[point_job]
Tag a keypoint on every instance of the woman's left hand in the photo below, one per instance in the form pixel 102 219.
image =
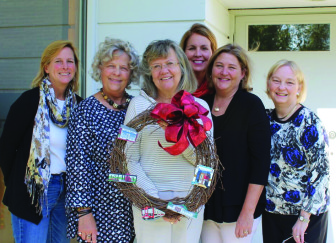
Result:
pixel 299 230
pixel 244 224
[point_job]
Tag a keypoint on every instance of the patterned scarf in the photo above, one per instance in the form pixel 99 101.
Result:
pixel 38 166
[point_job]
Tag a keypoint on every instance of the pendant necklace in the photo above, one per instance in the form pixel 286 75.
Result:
pixel 289 113
pixel 115 105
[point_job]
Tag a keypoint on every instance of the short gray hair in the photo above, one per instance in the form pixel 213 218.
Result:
pixel 160 49
pixel 106 52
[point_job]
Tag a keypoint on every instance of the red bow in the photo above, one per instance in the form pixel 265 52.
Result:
pixel 181 117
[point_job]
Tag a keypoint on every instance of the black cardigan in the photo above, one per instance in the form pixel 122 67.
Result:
pixel 15 144
pixel 243 141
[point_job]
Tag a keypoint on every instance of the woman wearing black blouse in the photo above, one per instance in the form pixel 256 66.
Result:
pixel 242 136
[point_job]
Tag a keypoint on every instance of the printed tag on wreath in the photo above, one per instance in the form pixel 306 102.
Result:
pixel 181 209
pixel 127 133
pixel 149 213
pixel 203 176
pixel 122 178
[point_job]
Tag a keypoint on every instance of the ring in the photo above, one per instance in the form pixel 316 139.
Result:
pixel 79 233
pixel 171 222
pixel 245 232
pixel 297 236
pixel 89 235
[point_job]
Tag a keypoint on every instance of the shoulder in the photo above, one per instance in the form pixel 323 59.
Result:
pixel 78 98
pixel 28 99
pixel 141 101
pixel 202 102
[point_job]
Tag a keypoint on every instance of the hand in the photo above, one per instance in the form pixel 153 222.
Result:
pixel 172 220
pixel 163 124
pixel 244 224
pixel 87 228
pixel 299 230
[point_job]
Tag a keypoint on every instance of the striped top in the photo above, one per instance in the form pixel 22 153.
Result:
pixel 156 170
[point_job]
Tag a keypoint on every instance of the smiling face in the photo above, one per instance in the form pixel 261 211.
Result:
pixel 226 73
pixel 167 78
pixel 115 74
pixel 198 51
pixel 283 87
pixel 61 69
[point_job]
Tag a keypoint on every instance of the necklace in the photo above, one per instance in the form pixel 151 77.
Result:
pixel 289 113
pixel 113 104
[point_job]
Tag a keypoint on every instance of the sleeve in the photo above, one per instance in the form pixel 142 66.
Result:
pixel 79 153
pixel 315 142
pixel 259 143
pixel 133 156
pixel 19 119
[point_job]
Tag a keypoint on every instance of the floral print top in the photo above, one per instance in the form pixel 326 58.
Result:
pixel 299 172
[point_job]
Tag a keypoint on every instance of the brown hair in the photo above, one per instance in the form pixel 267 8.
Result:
pixel 48 54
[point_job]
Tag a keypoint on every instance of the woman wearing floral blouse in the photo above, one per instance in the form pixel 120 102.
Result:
pixel 298 184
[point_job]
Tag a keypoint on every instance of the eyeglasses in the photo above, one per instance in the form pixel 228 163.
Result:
pixel 157 67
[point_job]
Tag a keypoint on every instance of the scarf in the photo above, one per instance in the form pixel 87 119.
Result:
pixel 202 89
pixel 38 165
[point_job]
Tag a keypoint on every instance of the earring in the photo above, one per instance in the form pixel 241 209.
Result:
pixel 297 94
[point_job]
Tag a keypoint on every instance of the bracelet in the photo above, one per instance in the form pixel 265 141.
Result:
pixel 82 208
pixel 84 212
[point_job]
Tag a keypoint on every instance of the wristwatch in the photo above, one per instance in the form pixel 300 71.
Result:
pixel 303 219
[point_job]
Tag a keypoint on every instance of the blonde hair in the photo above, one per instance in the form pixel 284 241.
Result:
pixel 160 49
pixel 109 49
pixel 201 30
pixel 297 72
pixel 243 59
pixel 48 54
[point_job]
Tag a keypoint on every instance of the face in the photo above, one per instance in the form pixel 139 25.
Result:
pixel 227 73
pixel 166 74
pixel 198 51
pixel 62 68
pixel 283 86
pixel 115 74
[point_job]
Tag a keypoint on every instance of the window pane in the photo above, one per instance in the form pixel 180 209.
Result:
pixel 289 37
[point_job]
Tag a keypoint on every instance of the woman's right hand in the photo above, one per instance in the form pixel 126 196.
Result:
pixel 87 228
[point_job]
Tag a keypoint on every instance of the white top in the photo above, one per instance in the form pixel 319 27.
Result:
pixel 157 170
pixel 57 145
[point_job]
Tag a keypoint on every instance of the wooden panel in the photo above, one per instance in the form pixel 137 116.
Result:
pixel 30 41
pixel 33 12
pixel 18 73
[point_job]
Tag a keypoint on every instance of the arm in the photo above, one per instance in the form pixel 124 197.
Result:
pixel 317 191
pixel 18 126
pixel 78 159
pixel 259 144
pixel 133 156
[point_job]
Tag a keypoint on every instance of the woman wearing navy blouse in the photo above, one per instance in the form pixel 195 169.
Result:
pixel 97 210
pixel 298 184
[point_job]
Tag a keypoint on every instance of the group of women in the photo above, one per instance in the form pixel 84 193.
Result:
pixel 54 149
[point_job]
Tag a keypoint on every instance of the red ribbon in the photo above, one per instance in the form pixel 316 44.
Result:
pixel 181 117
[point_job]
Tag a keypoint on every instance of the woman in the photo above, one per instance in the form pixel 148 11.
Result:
pixel 97 210
pixel 198 44
pixel 166 71
pixel 242 138
pixel 298 184
pixel 32 148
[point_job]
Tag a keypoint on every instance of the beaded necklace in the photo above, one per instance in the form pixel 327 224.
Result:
pixel 113 104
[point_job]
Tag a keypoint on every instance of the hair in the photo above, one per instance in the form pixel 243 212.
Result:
pixel 243 59
pixel 160 49
pixel 297 72
pixel 50 52
pixel 201 30
pixel 111 48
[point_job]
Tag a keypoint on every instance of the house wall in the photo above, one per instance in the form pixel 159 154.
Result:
pixel 141 22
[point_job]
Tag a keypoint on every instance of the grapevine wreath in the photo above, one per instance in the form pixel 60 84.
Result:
pixel 181 112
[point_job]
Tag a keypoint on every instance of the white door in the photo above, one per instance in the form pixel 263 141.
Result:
pixel 319 68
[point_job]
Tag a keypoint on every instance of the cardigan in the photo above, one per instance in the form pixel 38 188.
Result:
pixel 156 170
pixel 243 139
pixel 299 172
pixel 15 144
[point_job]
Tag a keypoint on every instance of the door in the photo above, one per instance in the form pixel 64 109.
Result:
pixel 319 69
